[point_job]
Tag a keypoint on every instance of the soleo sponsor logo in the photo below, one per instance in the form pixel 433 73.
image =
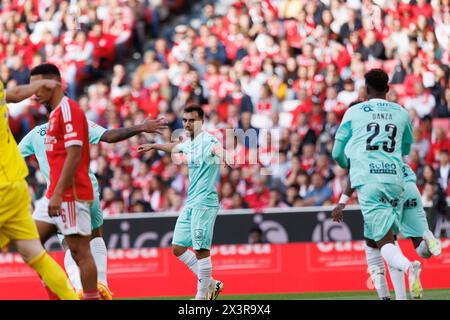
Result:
pixel 383 168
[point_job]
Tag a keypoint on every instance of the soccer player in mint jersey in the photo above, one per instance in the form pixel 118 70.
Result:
pixel 194 227
pixel 34 143
pixel 412 224
pixel 377 133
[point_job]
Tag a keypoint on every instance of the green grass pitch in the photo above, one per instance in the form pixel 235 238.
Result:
pixel 442 294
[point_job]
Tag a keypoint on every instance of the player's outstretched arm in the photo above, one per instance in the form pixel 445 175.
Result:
pixel 25 91
pixel 120 134
pixel 66 179
pixel 166 147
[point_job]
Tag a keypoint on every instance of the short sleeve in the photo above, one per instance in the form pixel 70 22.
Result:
pixel 408 137
pixel 95 132
pixel 344 131
pixel 26 146
pixel 73 125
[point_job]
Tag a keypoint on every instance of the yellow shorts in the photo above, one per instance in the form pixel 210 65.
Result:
pixel 15 216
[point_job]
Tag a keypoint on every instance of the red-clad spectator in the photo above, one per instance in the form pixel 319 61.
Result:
pixel 441 142
pixel 226 196
pixel 252 61
pixel 308 158
pixel 257 197
pixel 104 46
pixel 414 160
pixel 422 7
pixel 316 120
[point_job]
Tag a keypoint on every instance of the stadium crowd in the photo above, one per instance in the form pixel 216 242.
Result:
pixel 292 66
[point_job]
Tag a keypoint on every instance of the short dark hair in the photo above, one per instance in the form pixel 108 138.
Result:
pixel 354 103
pixel 378 80
pixel 195 108
pixel 46 69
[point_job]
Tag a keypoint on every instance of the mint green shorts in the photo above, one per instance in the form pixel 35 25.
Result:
pixel 194 228
pixel 381 206
pixel 96 213
pixel 413 221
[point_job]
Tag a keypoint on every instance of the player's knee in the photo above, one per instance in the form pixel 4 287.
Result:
pixel 29 249
pixel 372 244
pixel 177 250
pixel 202 254
pixel 80 255
pixel 97 233
pixel 377 269
pixel 75 254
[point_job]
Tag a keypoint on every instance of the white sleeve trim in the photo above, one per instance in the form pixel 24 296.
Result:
pixel 70 135
pixel 73 143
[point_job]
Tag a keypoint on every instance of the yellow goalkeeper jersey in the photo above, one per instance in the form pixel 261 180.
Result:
pixel 12 165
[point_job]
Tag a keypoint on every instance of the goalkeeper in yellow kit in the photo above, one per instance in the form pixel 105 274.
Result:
pixel 16 223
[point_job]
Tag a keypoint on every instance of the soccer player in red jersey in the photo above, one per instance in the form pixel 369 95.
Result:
pixel 70 191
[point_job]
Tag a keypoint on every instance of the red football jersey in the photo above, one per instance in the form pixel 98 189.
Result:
pixel 68 127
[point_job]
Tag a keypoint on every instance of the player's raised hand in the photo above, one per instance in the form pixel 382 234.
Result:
pixel 54 206
pixel 50 84
pixel 154 126
pixel 337 213
pixel 144 148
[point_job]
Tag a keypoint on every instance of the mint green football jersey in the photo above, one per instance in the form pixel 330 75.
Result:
pixel 408 174
pixel 34 143
pixel 204 170
pixel 374 132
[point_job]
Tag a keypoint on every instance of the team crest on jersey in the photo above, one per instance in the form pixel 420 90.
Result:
pixel 405 173
pixel 366 108
pixel 198 236
pixel 42 131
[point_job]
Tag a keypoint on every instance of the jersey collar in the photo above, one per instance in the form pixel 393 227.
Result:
pixel 63 99
pixel 198 136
